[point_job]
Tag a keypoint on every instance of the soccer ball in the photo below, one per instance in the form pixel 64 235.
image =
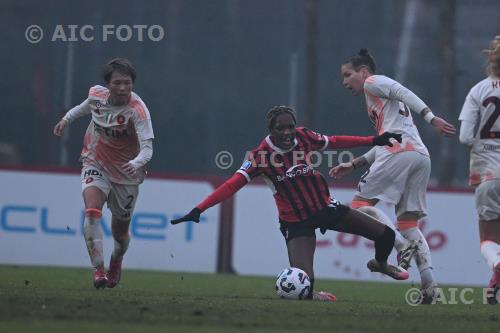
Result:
pixel 293 283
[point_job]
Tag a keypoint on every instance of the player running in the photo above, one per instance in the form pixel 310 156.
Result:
pixel 117 144
pixel 302 195
pixel 398 174
pixel 481 111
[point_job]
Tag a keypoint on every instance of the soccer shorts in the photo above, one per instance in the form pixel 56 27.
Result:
pixel 121 198
pixel 400 179
pixel 326 219
pixel 488 200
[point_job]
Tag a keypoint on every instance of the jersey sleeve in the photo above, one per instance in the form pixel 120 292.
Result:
pixel 142 119
pixel 78 111
pixel 469 117
pixel 252 165
pixel 384 87
pixel 470 109
pixel 318 141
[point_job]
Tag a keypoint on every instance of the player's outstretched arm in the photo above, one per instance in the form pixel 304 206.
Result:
pixel 442 126
pixel 342 141
pixel 343 169
pixel 385 139
pixel 60 126
pixel 226 190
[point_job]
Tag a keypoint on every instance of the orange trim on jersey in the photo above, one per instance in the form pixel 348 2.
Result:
pixel 370 79
pixel 137 106
pixel 99 92
pixel 93 213
pixel 379 104
pixel 355 204
pixel 406 224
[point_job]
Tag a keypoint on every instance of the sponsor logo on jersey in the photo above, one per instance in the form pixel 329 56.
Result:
pixel 295 171
pixel 488 147
pixel 112 133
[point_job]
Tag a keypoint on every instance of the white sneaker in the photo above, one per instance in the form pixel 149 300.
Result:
pixel 429 294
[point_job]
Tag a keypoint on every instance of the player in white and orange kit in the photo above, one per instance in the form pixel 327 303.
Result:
pixel 480 130
pixel 117 144
pixel 398 174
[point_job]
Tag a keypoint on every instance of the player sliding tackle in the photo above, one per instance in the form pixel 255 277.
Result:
pixel 302 195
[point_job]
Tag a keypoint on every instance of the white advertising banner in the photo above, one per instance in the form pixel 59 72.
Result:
pixel 450 229
pixel 42 214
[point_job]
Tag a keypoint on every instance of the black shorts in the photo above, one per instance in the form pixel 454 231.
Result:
pixel 326 219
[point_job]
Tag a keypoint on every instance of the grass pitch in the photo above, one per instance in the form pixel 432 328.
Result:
pixel 63 300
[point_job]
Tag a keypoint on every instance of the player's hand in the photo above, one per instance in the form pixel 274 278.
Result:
pixel 341 170
pixel 129 169
pixel 60 126
pixel 444 128
pixel 193 215
pixel 385 139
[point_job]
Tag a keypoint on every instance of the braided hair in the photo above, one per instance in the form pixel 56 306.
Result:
pixel 362 58
pixel 276 111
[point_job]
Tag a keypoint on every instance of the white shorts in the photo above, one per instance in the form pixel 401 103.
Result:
pixel 121 198
pixel 400 179
pixel 488 200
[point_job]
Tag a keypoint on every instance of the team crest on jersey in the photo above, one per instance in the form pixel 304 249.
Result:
pixel 98 105
pixel 120 119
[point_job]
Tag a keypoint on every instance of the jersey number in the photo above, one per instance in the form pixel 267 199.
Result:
pixel 405 112
pixel 363 179
pixel 130 200
pixel 486 132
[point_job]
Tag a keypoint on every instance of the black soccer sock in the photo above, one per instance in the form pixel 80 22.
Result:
pixel 384 244
pixel 310 296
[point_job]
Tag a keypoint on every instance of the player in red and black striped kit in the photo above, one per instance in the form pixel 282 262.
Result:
pixel 301 193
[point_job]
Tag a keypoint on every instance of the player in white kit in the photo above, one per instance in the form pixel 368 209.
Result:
pixel 480 130
pixel 398 174
pixel 117 144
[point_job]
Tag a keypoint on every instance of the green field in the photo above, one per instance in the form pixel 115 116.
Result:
pixel 63 300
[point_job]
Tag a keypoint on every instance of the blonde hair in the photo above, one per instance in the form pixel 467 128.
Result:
pixel 493 53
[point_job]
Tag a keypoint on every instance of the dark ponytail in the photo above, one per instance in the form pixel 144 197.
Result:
pixel 362 58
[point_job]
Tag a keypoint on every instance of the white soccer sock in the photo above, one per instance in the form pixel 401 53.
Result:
pixel 93 238
pixel 427 277
pixel 121 247
pixel 399 242
pixel 491 253
pixel 423 255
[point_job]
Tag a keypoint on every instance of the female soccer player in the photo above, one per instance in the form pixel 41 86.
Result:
pixel 481 110
pixel 302 195
pixel 398 174
pixel 117 145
